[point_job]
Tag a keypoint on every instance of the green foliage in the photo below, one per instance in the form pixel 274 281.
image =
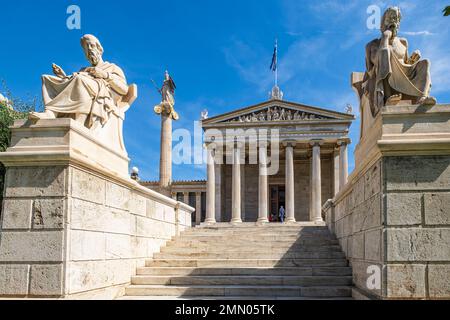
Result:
pixel 447 11
pixel 9 111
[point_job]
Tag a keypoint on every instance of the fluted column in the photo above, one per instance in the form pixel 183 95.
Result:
pixel 343 164
pixel 316 181
pixel 263 210
pixel 236 216
pixel 198 208
pixel 210 186
pixel 290 192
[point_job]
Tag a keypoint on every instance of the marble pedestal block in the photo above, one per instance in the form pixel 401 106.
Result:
pixel 393 216
pixel 73 224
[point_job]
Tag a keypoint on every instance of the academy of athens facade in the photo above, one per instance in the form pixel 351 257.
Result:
pixel 308 143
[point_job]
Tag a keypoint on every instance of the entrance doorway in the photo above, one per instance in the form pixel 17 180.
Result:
pixel 277 199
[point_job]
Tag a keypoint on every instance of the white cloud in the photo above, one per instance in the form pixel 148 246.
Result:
pixel 417 33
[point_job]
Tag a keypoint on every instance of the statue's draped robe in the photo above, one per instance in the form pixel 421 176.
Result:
pixel 390 66
pixel 83 94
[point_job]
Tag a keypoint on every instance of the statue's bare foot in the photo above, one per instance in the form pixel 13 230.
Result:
pixel 41 115
pixel 394 99
pixel 427 101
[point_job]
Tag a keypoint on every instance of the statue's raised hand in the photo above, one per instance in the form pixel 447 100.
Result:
pixel 97 73
pixel 415 57
pixel 58 71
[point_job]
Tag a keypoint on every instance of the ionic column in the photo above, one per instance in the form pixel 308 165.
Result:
pixel 290 192
pixel 210 187
pixel 343 164
pixel 263 210
pixel 316 181
pixel 198 208
pixel 186 197
pixel 236 186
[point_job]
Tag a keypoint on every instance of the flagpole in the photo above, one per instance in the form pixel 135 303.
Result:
pixel 276 69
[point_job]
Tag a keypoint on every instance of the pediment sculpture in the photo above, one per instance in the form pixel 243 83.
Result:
pixel 97 96
pixel 277 114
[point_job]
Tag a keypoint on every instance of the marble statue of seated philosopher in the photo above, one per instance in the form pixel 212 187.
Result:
pixel 392 75
pixel 88 96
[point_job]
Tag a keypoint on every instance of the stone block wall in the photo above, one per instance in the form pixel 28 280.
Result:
pixel 69 232
pixel 396 216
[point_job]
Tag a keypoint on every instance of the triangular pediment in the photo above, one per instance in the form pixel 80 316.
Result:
pixel 277 111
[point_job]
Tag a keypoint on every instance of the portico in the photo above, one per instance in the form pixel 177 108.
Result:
pixel 272 154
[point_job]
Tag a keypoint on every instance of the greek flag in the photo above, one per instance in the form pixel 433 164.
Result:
pixel 274 63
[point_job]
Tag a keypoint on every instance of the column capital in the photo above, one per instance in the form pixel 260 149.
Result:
pixel 198 193
pixel 239 144
pixel 345 141
pixel 289 143
pixel 316 142
pixel 263 144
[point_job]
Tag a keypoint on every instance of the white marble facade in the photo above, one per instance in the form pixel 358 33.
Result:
pixel 274 147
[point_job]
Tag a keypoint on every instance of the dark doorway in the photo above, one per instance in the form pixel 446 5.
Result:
pixel 277 199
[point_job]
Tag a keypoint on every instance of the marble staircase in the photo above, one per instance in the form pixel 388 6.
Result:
pixel 246 261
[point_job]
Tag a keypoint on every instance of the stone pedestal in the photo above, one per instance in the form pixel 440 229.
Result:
pixel 74 225
pixel 392 217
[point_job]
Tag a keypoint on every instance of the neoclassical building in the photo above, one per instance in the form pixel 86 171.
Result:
pixel 288 154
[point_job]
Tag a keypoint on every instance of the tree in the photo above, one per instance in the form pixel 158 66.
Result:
pixel 447 11
pixel 10 109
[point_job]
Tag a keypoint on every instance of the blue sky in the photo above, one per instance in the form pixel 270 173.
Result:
pixel 218 52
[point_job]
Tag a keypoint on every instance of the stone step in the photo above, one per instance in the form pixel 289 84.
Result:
pixel 258 231
pixel 263 280
pixel 255 225
pixel 293 271
pixel 250 255
pixel 223 291
pixel 274 237
pixel 257 248
pixel 236 263
pixel 238 243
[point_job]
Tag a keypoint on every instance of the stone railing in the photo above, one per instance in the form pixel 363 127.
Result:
pixel 72 227
pixel 392 218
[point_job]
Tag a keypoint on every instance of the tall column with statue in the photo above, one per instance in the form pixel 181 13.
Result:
pixel 168 113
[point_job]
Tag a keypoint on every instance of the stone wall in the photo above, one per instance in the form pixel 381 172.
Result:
pixel 396 216
pixel 67 232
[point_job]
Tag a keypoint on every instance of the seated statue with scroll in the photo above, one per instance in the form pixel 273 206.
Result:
pixel 97 96
pixel 392 75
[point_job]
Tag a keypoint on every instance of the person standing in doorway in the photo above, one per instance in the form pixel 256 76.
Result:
pixel 282 213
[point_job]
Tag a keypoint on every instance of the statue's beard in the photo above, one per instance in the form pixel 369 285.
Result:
pixel 393 27
pixel 94 58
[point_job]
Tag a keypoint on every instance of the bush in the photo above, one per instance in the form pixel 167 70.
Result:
pixel 447 11
pixel 12 110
